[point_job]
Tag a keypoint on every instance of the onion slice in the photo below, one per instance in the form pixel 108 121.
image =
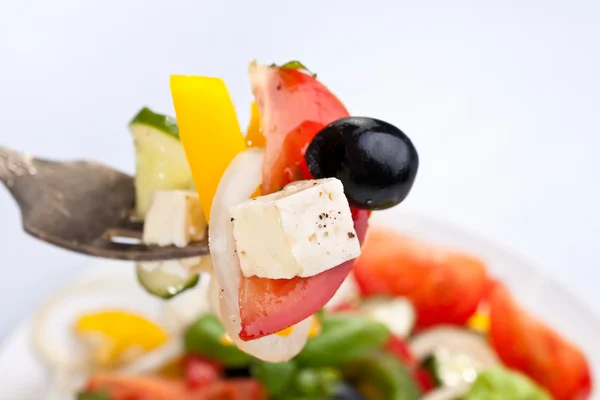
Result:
pixel 238 183
pixel 455 339
pixel 459 354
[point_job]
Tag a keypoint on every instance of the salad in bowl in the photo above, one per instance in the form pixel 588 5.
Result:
pixel 301 297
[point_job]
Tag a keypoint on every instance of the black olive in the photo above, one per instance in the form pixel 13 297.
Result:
pixel 376 162
pixel 345 391
pixel 243 372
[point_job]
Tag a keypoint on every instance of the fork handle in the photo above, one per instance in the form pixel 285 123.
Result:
pixel 14 164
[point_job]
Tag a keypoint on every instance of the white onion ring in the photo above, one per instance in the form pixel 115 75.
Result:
pixel 239 181
pixel 457 339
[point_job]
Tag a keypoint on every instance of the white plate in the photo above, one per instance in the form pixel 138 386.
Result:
pixel 24 377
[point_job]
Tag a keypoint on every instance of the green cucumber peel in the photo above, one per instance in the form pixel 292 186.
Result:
pixel 161 122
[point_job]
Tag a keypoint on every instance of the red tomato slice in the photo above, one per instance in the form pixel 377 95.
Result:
pixel 444 286
pixel 136 388
pixel 424 380
pixel 286 98
pixel 270 305
pixel 200 372
pixel 526 344
pixel 294 147
pixel 234 389
pixel 155 388
pixel 401 350
pixel 293 107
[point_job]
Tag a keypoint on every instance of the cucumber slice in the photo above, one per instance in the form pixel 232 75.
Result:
pixel 161 163
pixel 167 279
pixel 453 355
pixel 397 313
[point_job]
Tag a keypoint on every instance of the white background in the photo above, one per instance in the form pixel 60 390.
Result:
pixel 502 100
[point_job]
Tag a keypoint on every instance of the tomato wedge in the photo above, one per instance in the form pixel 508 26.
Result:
pixel 200 372
pixel 294 147
pixel 155 388
pixel 526 344
pixel 270 305
pixel 293 108
pixel 136 388
pixel 401 350
pixel 286 98
pixel 444 286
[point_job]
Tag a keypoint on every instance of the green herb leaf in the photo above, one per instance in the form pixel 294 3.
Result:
pixel 94 395
pixel 204 338
pixel 295 64
pixel 381 375
pixel 276 377
pixel 343 337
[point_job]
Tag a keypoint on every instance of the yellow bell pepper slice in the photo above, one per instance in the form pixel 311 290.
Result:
pixel 480 320
pixel 209 131
pixel 254 136
pixel 315 329
pixel 285 332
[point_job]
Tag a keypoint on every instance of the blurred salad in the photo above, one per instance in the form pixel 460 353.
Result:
pixel 300 298
pixel 364 344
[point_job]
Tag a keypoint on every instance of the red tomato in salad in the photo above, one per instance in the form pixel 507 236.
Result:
pixel 270 305
pixel 526 344
pixel 445 286
pixel 156 388
pixel 136 388
pixel 200 371
pixel 286 98
pixel 401 350
pixel 234 389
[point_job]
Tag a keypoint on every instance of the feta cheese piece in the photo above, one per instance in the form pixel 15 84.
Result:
pixel 175 218
pixel 302 230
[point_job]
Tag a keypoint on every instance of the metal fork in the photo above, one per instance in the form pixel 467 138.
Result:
pixel 82 206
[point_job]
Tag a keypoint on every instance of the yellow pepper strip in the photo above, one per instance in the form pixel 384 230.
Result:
pixel 315 329
pixel 225 340
pixel 209 131
pixel 480 320
pixel 257 193
pixel 285 332
pixel 254 136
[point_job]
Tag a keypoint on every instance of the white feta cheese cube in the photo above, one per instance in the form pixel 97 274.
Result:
pixel 175 218
pixel 302 230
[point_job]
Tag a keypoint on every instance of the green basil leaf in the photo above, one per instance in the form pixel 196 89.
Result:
pixel 382 376
pixel 204 338
pixel 295 64
pixel 343 337
pixel 275 377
